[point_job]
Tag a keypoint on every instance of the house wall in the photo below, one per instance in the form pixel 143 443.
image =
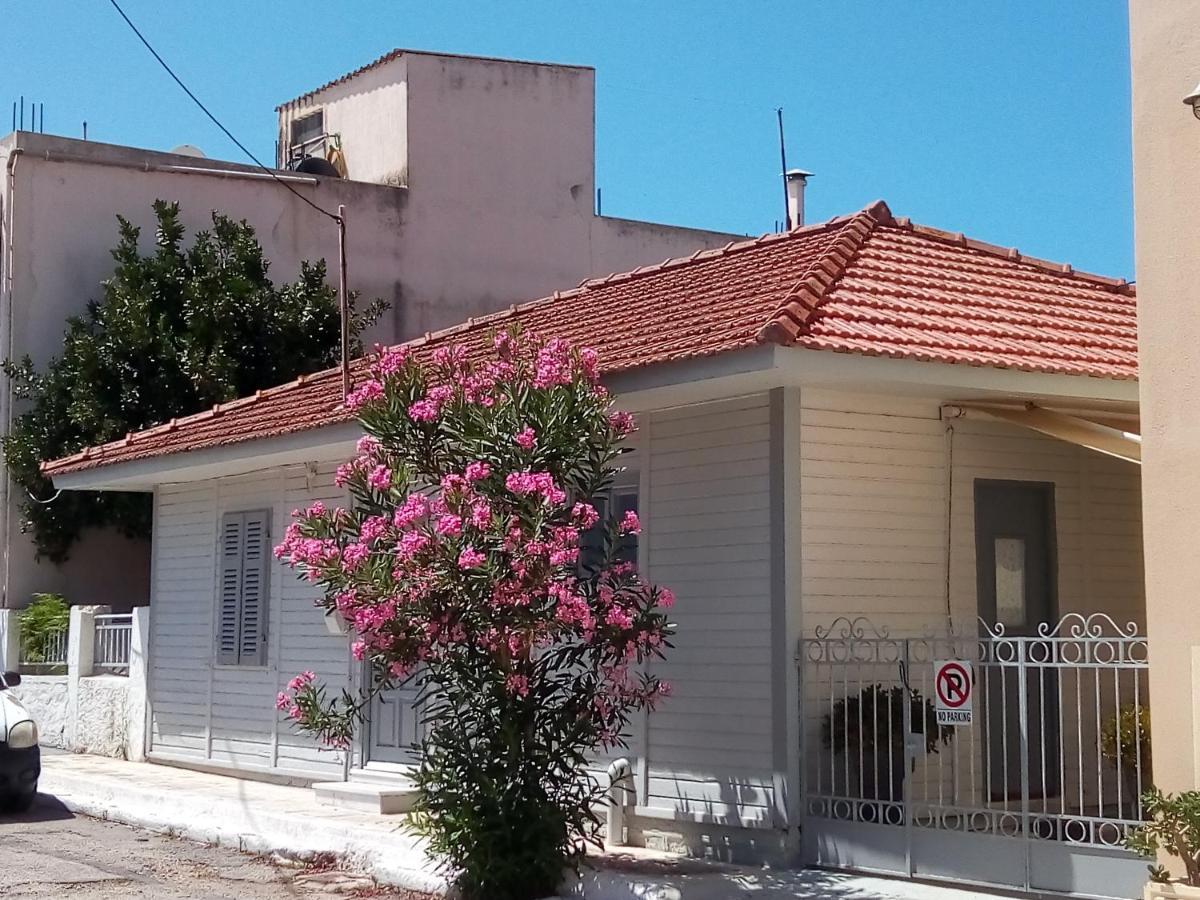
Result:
pixel 875 532
pixel 706 494
pixel 225 716
pixel 873 473
pixel 1165 55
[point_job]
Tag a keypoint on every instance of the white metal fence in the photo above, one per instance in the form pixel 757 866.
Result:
pixel 112 642
pixel 50 657
pixel 1038 792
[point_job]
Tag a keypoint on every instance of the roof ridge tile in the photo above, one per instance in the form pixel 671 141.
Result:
pixel 798 306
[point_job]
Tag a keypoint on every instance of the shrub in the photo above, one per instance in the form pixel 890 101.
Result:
pixel 458 566
pixel 177 330
pixel 46 616
pixel 1173 825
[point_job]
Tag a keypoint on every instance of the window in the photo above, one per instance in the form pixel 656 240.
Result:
pixel 306 131
pixel 1010 581
pixel 618 501
pixel 242 589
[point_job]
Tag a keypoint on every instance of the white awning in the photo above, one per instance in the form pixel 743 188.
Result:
pixel 1078 428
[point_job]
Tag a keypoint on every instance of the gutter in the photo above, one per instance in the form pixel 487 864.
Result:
pixel 176 168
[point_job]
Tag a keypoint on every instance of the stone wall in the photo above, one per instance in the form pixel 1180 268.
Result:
pixel 45 697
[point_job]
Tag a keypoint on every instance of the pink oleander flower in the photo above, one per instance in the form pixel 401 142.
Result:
pixel 619 617
pixel 391 360
pixel 481 514
pixel 584 515
pixel 517 685
pixel 282 701
pixel 622 423
pixel 411 544
pixel 380 478
pixel 353 556
pixel 303 680
pixel 535 483
pixel 449 525
pixel 589 363
pixel 470 558
pixel 372 529
pixel 424 411
pixel 526 438
pixel 630 523
pixel 364 394
pixel 666 598
pixel 367 445
pixel 478 471
pixel 414 508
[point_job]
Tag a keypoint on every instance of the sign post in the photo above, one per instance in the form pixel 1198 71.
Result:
pixel 953 684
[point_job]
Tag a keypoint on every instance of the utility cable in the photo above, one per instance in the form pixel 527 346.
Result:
pixel 229 134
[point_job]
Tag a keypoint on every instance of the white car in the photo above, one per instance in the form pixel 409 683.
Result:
pixel 20 758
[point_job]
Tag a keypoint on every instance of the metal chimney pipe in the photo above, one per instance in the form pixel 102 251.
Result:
pixel 796 180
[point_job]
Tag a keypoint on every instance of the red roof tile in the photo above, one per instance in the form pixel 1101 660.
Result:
pixel 867 284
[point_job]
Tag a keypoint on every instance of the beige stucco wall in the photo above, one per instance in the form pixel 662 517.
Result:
pixel 370 113
pixel 1165 54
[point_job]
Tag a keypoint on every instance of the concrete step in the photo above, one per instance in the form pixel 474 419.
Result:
pixel 381 799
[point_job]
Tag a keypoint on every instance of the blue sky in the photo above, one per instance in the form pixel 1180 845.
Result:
pixel 1008 121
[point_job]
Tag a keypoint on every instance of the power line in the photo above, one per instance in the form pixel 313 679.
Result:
pixel 229 134
pixel 339 217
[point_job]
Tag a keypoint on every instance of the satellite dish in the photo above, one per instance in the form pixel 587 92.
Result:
pixel 189 150
pixel 316 165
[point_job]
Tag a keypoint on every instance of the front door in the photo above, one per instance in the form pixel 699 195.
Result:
pixel 393 727
pixel 1015 568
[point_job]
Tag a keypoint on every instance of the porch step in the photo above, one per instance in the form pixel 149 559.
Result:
pixel 381 799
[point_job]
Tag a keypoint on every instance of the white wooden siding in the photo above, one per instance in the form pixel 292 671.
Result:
pixel 226 715
pixel 874 512
pixel 875 518
pixel 707 537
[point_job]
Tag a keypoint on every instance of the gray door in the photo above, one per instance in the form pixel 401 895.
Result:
pixel 1015 567
pixel 393 727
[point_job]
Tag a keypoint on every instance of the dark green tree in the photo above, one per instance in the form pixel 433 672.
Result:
pixel 177 330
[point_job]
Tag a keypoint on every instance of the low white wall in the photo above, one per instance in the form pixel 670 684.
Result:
pixel 102 716
pixel 80 711
pixel 45 696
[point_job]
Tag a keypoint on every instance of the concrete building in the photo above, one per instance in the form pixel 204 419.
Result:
pixel 469 186
pixel 1165 57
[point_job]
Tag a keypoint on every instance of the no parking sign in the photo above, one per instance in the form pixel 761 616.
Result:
pixel 953 685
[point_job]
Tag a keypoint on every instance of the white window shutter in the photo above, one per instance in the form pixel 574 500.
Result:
pixel 229 589
pixel 252 647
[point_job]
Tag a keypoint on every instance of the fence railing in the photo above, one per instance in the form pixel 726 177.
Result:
pixel 51 656
pixel 112 642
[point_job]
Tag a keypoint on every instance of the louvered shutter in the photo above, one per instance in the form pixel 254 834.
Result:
pixel 243 590
pixel 252 645
pixel 229 589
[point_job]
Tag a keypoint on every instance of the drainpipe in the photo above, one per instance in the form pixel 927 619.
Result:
pixel 6 396
pixel 620 790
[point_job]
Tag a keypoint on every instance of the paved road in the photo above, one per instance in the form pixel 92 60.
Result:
pixel 49 852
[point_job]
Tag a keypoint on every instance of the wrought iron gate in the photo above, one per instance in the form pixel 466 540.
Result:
pixel 1038 793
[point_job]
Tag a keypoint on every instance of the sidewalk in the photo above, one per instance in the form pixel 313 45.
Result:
pixel 251 816
pixel 266 818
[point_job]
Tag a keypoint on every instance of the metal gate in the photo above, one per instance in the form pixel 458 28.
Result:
pixel 1038 793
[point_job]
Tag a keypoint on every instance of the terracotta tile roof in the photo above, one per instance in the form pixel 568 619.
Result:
pixel 867 284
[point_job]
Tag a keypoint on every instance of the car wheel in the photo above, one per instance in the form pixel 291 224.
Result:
pixel 17 803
